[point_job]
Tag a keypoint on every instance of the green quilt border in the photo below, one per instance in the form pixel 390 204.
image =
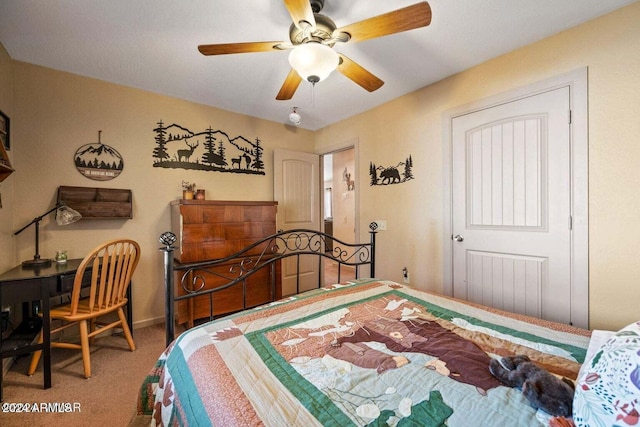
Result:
pixel 185 391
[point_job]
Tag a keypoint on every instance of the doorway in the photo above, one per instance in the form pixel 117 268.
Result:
pixel 298 177
pixel 339 197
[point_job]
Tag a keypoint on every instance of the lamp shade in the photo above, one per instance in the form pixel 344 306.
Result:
pixel 313 61
pixel 65 215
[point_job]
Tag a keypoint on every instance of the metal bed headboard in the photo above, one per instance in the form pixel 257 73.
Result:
pixel 261 254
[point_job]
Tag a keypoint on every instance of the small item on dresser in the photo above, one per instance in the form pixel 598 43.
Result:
pixel 200 195
pixel 188 190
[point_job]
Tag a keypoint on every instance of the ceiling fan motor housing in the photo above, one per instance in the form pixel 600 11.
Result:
pixel 324 31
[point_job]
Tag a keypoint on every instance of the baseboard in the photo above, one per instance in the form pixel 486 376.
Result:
pixel 148 322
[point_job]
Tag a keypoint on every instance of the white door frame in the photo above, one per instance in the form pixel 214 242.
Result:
pixel 577 82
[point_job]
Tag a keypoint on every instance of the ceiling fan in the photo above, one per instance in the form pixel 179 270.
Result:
pixel 313 36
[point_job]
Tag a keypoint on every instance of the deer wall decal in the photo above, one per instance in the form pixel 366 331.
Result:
pixel 238 161
pixel 187 153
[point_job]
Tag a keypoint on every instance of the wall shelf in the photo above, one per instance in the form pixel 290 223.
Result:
pixel 5 165
pixel 98 203
pixel 5 171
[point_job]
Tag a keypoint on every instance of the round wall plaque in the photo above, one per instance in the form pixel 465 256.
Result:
pixel 98 161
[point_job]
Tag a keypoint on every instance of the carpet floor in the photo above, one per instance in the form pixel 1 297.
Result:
pixel 108 398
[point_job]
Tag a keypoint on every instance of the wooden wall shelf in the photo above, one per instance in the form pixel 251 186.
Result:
pixel 5 165
pixel 98 203
pixel 5 171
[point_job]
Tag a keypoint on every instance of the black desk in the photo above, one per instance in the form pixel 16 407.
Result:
pixel 26 285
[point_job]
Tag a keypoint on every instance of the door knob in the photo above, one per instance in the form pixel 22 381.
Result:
pixel 458 238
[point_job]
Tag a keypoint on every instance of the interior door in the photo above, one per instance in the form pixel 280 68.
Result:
pixel 296 189
pixel 511 214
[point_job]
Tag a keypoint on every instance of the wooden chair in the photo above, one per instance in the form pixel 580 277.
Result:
pixel 112 265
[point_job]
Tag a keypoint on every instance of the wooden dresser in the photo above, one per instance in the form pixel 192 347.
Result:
pixel 211 229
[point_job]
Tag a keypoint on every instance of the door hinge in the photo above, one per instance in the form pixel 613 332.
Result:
pixel 570 118
pixel 570 222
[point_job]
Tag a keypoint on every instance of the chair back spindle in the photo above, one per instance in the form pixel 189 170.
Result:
pixel 112 265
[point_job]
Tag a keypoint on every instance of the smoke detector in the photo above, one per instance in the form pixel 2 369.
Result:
pixel 294 117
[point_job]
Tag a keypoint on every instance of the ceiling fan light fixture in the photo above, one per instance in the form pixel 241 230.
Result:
pixel 313 61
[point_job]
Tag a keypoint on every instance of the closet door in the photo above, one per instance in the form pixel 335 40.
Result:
pixel 512 206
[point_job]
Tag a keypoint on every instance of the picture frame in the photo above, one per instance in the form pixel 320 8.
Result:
pixel 5 135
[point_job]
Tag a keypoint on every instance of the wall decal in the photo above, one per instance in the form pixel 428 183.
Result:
pixel 209 150
pixel 346 178
pixel 98 161
pixel 392 174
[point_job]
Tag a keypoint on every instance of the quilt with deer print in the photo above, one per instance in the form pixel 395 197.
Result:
pixel 366 353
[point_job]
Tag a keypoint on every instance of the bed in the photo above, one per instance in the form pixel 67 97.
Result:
pixel 371 352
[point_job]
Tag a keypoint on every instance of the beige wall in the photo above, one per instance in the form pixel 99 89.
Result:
pixel 609 47
pixel 56 113
pixel 7 246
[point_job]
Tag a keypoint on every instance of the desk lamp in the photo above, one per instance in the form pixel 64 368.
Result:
pixel 64 216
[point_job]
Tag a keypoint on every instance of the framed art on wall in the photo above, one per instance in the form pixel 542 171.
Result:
pixel 4 131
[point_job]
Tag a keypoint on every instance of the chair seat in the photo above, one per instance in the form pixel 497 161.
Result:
pixel 63 312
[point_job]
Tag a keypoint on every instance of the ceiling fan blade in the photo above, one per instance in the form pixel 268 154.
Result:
pixel 300 10
pixel 358 74
pixel 289 86
pixel 408 18
pixel 228 48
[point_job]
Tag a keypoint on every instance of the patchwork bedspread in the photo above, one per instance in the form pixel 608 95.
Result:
pixel 368 353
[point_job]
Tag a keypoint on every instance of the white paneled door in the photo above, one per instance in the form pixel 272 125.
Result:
pixel 511 206
pixel 296 183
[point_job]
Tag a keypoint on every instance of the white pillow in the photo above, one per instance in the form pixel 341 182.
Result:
pixel 598 339
pixel 608 386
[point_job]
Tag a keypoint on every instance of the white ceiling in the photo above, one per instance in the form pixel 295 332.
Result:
pixel 152 45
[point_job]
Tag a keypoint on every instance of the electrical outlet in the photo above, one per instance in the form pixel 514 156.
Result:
pixel 405 275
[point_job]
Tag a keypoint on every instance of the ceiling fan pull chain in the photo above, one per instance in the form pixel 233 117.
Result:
pixel 313 95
